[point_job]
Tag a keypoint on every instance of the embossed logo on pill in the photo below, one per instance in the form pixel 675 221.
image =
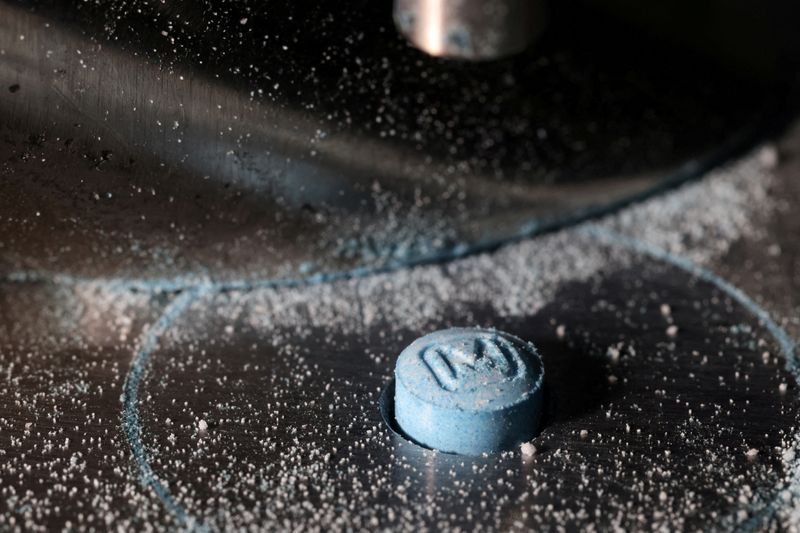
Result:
pixel 465 363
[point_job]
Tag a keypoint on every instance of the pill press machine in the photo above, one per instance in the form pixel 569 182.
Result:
pixel 222 222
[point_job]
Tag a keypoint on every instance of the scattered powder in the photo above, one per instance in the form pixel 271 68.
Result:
pixel 308 453
pixel 527 449
pixel 701 220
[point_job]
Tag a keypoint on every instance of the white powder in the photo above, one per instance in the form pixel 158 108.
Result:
pixel 700 220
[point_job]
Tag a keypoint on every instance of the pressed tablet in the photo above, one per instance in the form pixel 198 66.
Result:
pixel 469 390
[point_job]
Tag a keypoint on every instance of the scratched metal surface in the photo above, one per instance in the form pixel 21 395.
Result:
pixel 285 141
pixel 154 375
pixel 104 390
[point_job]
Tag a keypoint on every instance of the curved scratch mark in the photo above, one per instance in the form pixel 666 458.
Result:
pixel 150 341
pixel 787 345
pixel 130 409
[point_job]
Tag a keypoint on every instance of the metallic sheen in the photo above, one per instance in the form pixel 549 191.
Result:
pixel 476 30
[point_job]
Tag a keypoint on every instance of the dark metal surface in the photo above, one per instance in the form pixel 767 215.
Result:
pixel 677 419
pixel 287 140
pixel 251 410
pixel 175 179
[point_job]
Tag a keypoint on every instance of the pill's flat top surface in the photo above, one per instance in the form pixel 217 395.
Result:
pixel 470 369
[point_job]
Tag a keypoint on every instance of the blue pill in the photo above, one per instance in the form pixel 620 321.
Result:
pixel 469 391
